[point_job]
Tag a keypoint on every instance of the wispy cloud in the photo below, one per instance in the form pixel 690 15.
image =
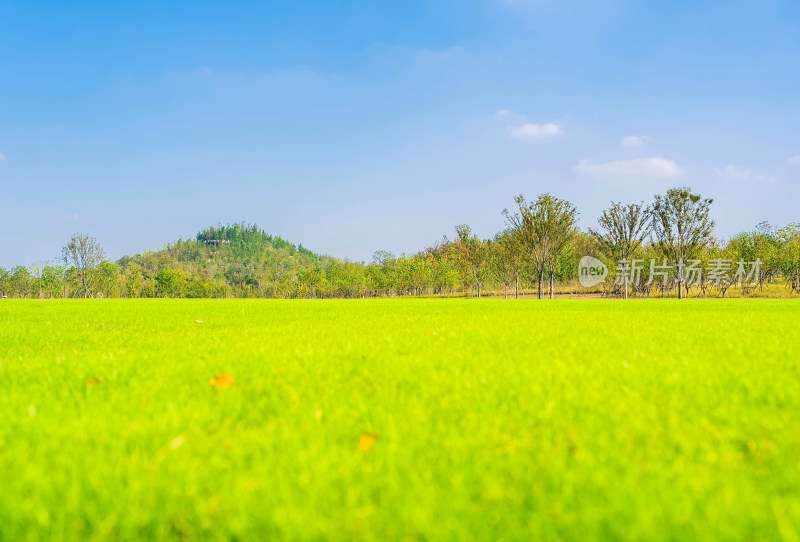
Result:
pixel 72 216
pixel 634 141
pixel 535 131
pixel 734 173
pixel 518 126
pixel 644 168
pixel 795 159
pixel 2 156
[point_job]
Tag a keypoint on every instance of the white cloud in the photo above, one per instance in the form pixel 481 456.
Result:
pixel 733 173
pixel 649 168
pixel 535 131
pixel 634 141
pixel 509 117
pixel 2 156
pixel 795 159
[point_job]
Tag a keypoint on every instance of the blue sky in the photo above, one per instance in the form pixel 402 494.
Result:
pixel 361 126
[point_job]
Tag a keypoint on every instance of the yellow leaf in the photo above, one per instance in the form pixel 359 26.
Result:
pixel 368 440
pixel 222 382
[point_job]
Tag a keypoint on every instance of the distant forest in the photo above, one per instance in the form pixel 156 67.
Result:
pixel 537 253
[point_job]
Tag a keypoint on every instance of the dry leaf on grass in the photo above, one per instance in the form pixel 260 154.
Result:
pixel 94 381
pixel 198 322
pixel 222 382
pixel 368 440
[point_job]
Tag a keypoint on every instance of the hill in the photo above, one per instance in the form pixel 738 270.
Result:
pixel 238 257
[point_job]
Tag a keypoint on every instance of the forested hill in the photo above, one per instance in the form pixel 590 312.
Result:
pixel 233 257
pixel 247 240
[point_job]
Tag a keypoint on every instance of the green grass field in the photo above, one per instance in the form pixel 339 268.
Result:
pixel 495 420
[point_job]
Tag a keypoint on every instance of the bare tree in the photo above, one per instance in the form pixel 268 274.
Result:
pixel 681 226
pixel 84 254
pixel 624 228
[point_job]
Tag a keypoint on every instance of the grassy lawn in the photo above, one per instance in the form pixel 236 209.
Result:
pixel 390 419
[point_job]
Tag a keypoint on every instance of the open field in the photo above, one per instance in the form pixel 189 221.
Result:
pixel 393 419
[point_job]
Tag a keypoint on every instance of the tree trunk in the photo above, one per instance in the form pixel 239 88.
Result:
pixel 539 291
pixel 625 281
pixel 552 294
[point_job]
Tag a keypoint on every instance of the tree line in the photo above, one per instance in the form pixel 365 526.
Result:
pixel 537 253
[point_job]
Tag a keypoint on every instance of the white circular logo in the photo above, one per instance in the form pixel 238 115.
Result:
pixel 591 271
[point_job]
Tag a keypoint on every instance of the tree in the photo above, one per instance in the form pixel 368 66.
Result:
pixel 62 277
pixel 36 271
pixel 20 281
pixel 762 244
pixel 475 253
pixel 382 274
pixel 789 260
pixel 172 282
pixel 681 226
pixel 5 280
pixel 623 229
pixel 545 227
pixel 506 260
pixel 134 280
pixel 85 255
pixel 50 277
pixel 445 275
pixel 767 250
pixel 107 277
